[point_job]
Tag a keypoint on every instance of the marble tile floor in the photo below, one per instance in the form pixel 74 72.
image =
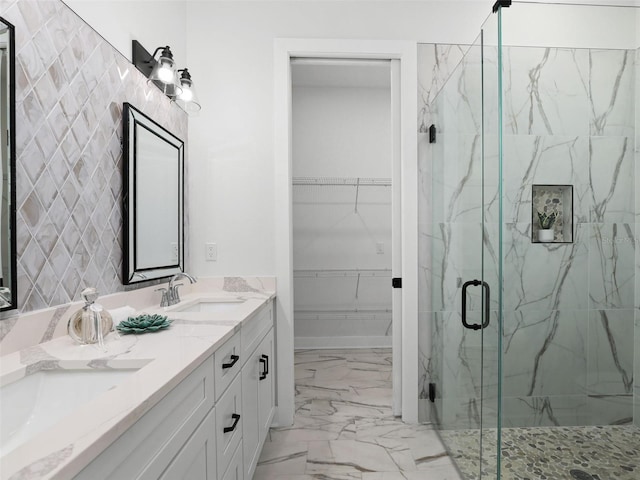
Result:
pixel 344 428
pixel 553 453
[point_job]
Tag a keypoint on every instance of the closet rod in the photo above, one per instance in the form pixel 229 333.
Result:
pixel 362 311
pixel 371 272
pixel 337 181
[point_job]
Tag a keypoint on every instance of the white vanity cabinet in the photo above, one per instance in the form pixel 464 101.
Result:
pixel 258 392
pixel 229 420
pixel 212 425
pixel 257 401
pixel 197 458
pixel 155 441
pixel 267 386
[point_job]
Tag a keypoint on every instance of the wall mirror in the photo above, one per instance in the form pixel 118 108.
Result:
pixel 8 290
pixel 153 199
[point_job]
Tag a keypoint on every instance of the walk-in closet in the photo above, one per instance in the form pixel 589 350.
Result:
pixel 342 203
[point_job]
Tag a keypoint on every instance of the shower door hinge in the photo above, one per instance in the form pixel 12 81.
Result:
pixel 396 282
pixel 500 3
pixel 432 133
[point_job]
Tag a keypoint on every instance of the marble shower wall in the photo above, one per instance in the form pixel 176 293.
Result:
pixel 70 87
pixel 435 65
pixel 568 308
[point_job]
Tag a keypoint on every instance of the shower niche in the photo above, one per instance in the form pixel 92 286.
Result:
pixel 552 214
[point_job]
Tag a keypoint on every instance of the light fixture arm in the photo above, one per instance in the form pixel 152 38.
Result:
pixel 185 77
pixel 166 52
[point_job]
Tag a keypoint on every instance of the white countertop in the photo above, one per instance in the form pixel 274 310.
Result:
pixel 166 358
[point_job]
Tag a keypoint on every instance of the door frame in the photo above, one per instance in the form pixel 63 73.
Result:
pixel 406 53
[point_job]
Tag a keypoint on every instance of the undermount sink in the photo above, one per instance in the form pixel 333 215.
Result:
pixel 208 305
pixel 34 403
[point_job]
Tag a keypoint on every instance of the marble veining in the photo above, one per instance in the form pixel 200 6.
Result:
pixel 237 284
pixel 45 466
pixel 435 64
pixel 344 428
pixel 53 323
pixel 569 119
pixel 28 329
pixel 6 325
pixel 612 112
pixel 160 360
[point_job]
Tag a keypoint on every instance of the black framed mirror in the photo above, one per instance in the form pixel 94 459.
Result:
pixel 153 193
pixel 8 281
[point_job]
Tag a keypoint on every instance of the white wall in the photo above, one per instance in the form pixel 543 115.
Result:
pixel 570 26
pixel 341 132
pixel 230 54
pixel 231 142
pixel 230 43
pixel 153 23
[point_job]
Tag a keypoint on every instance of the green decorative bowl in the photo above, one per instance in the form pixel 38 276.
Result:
pixel 143 324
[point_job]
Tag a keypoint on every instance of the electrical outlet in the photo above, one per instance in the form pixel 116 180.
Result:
pixel 210 252
pixel 174 251
pixel 380 248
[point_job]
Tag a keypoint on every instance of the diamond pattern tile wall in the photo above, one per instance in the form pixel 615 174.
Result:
pixel 70 87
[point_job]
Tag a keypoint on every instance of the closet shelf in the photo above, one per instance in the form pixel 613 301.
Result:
pixel 354 272
pixel 349 316
pixel 357 313
pixel 343 181
pixel 331 311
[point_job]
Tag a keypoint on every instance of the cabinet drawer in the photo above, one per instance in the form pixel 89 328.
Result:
pixel 234 472
pixel 254 329
pixel 197 459
pixel 228 424
pixel 228 360
pixel 144 450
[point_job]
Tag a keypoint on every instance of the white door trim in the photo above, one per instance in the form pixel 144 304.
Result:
pixel 406 53
pixel 396 242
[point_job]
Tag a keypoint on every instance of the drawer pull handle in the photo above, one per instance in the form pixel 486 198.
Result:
pixel 264 360
pixel 234 360
pixel 236 419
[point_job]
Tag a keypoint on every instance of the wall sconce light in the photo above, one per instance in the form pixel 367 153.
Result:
pixel 188 99
pixel 163 74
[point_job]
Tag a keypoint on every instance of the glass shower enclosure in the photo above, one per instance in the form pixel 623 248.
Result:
pixel 530 247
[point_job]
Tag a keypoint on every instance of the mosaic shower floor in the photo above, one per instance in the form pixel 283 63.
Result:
pixel 553 453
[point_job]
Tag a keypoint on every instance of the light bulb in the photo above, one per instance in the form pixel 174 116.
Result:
pixel 165 74
pixel 186 95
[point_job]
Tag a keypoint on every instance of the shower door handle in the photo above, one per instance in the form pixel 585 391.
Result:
pixel 487 299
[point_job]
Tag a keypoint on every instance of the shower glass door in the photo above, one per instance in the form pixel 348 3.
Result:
pixel 464 240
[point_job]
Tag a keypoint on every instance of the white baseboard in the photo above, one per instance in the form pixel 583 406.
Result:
pixel 341 342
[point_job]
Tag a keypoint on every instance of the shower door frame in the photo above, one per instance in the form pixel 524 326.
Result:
pixel 475 320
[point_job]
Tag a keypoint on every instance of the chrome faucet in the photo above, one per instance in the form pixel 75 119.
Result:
pixel 173 296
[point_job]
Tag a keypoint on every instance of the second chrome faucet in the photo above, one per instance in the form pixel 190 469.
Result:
pixel 170 295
